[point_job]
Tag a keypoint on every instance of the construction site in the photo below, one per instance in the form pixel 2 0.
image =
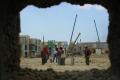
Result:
pixel 74 55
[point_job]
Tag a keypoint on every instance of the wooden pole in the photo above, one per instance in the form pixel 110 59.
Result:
pixel 97 31
pixel 72 57
pixel 73 28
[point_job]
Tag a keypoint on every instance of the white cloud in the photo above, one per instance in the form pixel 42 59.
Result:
pixel 98 7
pixel 89 6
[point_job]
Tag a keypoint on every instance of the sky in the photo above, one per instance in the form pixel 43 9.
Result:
pixel 56 22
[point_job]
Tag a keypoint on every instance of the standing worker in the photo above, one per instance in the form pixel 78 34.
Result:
pixel 62 56
pixel 44 55
pixel 59 55
pixel 87 54
pixel 55 52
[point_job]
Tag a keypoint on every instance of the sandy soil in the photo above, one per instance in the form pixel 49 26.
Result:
pixel 100 61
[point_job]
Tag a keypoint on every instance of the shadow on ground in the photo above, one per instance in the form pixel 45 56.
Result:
pixel 50 74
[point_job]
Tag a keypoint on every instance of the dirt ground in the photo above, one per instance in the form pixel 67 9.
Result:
pixel 98 61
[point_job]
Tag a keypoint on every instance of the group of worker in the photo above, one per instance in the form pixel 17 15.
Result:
pixel 55 54
pixel 58 55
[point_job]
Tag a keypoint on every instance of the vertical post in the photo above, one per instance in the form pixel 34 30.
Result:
pixel 80 47
pixel 43 41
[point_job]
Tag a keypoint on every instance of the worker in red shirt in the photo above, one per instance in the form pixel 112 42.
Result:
pixel 44 55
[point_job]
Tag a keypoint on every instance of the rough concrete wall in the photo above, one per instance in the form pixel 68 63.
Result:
pixel 9 37
pixel 49 3
pixel 114 37
pixel 9 46
pixel 10 28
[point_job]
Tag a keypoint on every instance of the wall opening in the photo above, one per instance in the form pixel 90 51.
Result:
pixel 56 23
